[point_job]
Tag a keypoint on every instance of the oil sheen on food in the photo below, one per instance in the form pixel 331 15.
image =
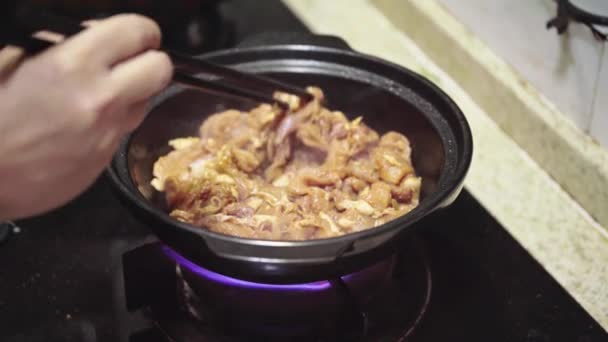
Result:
pixel 306 173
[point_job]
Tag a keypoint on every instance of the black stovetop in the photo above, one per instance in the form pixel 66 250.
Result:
pixel 61 275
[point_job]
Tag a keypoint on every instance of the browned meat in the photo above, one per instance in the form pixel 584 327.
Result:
pixel 309 173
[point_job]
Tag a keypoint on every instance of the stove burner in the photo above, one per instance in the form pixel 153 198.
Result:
pixel 271 309
pixel 237 283
pixel 187 302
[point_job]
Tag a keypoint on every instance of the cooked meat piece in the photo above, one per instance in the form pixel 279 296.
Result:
pixel 408 190
pixel 308 173
pixel 363 169
pixel 245 160
pixel 316 200
pixel 355 184
pixel 223 126
pixel 379 195
pixel 239 210
pixel 318 177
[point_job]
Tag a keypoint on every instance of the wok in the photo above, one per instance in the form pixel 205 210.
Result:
pixel 390 97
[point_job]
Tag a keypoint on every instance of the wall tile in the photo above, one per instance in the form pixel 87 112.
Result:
pixel 564 69
pixel 599 120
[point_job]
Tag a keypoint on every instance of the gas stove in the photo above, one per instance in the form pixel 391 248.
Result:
pixel 191 303
pixel 91 272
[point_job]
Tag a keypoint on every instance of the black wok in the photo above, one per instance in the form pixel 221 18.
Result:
pixel 389 96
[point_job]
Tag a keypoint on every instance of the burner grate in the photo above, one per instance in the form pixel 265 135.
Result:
pixel 186 306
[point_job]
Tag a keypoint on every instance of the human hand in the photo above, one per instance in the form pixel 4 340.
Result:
pixel 63 112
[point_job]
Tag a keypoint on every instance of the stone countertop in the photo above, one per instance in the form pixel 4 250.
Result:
pixel 568 154
pixel 552 226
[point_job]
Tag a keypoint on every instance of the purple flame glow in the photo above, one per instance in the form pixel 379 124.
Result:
pixel 233 282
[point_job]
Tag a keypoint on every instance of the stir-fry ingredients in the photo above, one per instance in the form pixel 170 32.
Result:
pixel 308 173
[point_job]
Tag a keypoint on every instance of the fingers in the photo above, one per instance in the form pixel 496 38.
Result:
pixel 135 115
pixel 123 48
pixel 10 58
pixel 141 77
pixel 110 135
pixel 136 81
pixel 115 39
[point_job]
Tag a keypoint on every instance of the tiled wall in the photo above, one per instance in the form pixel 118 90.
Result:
pixel 599 119
pixel 570 70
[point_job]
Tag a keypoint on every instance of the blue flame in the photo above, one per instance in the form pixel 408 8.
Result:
pixel 233 282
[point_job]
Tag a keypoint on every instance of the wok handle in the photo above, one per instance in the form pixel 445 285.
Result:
pixel 452 196
pixel 288 38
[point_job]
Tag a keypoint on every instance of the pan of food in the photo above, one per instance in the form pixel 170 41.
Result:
pixel 323 189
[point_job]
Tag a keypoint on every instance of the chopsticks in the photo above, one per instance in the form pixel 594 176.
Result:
pixel 220 80
pixel 196 65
